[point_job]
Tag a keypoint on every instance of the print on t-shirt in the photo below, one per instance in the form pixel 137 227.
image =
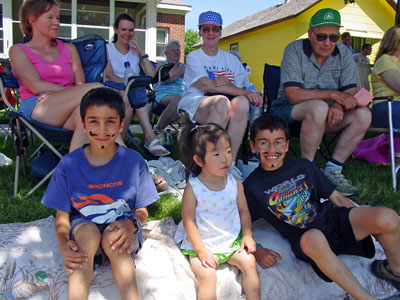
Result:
pixel 100 208
pixel 289 202
pixel 214 72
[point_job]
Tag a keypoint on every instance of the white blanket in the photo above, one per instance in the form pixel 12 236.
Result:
pixel 31 268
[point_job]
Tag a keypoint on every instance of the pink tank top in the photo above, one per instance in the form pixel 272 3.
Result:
pixel 57 72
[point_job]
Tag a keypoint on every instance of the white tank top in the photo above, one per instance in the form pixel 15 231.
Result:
pixel 217 217
pixel 117 60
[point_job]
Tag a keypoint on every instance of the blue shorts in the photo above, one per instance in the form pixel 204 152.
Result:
pixel 77 220
pixel 380 115
pixel 283 109
pixel 27 105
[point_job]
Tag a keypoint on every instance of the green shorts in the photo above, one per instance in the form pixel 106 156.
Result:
pixel 221 257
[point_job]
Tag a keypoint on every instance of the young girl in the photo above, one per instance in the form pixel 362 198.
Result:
pixel 216 220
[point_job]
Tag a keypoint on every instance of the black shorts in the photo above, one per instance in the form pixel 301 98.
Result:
pixel 334 223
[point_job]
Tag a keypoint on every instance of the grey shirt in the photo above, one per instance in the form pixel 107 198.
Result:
pixel 300 68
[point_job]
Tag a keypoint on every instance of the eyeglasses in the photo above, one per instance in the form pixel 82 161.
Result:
pixel 214 29
pixel 263 144
pixel 321 37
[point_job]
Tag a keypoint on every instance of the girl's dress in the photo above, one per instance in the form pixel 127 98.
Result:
pixel 217 217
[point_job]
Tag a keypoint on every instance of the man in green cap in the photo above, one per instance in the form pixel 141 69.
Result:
pixel 317 88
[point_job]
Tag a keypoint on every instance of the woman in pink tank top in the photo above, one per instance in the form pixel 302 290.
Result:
pixel 49 72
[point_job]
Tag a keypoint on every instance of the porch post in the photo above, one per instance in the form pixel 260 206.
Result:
pixel 151 28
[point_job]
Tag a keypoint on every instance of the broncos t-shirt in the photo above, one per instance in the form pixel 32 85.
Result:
pixel 104 193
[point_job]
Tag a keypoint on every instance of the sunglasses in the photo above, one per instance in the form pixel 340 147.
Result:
pixel 214 29
pixel 321 37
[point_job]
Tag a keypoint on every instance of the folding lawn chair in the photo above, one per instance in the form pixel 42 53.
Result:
pixel 93 55
pixel 272 78
pixel 362 72
pixel 156 109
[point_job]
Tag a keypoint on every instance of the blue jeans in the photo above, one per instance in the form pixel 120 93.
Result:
pixel 380 117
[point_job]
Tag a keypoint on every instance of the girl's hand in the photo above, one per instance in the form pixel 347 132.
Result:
pixel 247 244
pixel 207 258
pixel 122 239
pixel 266 258
pixel 71 257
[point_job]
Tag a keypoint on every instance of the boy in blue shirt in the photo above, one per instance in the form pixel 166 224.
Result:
pixel 100 192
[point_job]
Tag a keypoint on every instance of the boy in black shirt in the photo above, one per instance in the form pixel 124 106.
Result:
pixel 287 191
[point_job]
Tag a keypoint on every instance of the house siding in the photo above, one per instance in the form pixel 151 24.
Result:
pixel 176 25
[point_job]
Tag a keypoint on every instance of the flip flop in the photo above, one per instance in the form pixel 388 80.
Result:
pixel 153 147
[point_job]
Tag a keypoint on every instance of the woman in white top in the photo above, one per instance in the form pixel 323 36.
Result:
pixel 125 47
pixel 210 70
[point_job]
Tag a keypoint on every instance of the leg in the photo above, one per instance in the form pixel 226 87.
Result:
pixel 316 247
pixel 246 263
pixel 123 269
pixel 238 117
pixel 207 280
pixel 128 118
pixel 354 125
pixel 56 108
pixel 312 115
pixel 87 236
pixel 144 120
pixel 170 113
pixel 383 224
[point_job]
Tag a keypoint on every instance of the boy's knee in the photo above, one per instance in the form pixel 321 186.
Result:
pixel 387 220
pixel 313 242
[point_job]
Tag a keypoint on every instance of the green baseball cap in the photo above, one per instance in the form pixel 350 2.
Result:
pixel 325 17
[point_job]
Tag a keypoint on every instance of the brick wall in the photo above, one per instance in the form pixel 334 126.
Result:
pixel 176 25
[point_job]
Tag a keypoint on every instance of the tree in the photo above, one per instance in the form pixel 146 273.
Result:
pixel 191 38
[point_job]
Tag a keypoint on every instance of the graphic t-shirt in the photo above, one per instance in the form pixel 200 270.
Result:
pixel 104 193
pixel 288 198
pixel 199 65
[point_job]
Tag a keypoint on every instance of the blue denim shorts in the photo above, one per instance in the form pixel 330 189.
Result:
pixel 380 115
pixel 27 105
pixel 283 109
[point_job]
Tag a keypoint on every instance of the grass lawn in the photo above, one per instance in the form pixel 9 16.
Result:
pixel 373 182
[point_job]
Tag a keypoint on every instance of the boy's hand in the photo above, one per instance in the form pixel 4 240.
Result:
pixel 122 239
pixel 71 257
pixel 207 258
pixel 247 244
pixel 266 258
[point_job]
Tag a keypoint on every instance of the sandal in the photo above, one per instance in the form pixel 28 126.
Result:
pixel 154 146
pixel 380 268
pixel 159 182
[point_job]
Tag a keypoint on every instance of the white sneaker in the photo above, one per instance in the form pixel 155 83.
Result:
pixel 341 183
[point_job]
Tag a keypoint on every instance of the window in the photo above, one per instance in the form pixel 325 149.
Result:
pixel 93 16
pixel 162 40
pixel 234 47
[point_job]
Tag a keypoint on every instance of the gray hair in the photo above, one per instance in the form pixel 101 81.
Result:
pixel 170 43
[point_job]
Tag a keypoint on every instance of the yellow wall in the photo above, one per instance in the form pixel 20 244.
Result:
pixel 266 45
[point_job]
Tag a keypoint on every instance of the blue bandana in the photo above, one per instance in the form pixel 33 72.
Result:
pixel 210 17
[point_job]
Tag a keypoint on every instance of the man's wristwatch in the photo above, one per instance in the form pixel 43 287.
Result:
pixel 136 222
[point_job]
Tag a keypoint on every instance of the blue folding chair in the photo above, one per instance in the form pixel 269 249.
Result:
pixel 93 55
